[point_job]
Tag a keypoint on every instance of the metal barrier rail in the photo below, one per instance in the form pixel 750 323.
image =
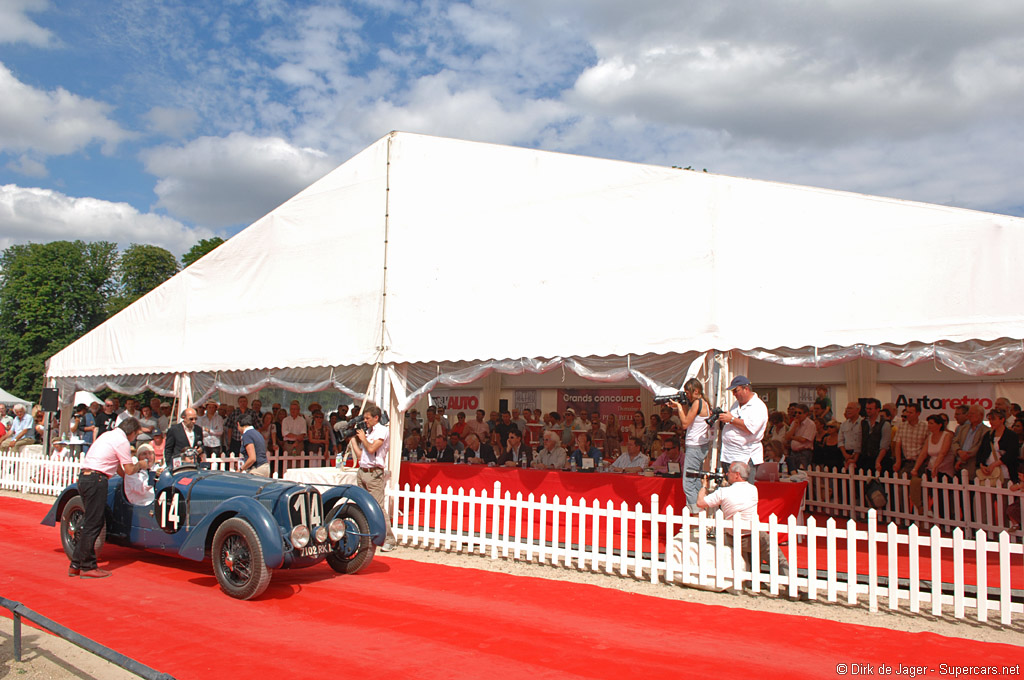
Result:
pixel 131 665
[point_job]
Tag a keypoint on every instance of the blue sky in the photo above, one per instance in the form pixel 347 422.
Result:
pixel 166 122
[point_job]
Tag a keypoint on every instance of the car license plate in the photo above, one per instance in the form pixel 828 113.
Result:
pixel 314 550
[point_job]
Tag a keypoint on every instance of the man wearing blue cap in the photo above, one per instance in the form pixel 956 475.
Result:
pixel 743 427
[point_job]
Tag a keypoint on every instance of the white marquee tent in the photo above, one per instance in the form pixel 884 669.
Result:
pixel 551 258
pixel 8 399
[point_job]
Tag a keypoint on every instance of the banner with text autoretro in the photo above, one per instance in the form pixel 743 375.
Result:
pixel 453 401
pixel 944 398
pixel 622 402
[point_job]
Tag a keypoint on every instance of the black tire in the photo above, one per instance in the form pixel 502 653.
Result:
pixel 70 520
pixel 353 552
pixel 238 560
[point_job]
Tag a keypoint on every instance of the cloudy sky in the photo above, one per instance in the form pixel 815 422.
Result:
pixel 167 121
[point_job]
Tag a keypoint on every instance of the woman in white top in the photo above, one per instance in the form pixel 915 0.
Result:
pixel 936 451
pixel 697 436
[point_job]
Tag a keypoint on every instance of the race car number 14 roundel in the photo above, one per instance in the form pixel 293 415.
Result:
pixel 170 509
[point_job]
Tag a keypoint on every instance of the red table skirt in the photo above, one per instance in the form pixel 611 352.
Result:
pixel 781 498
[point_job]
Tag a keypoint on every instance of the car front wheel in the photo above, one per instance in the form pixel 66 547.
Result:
pixel 238 560
pixel 70 523
pixel 355 550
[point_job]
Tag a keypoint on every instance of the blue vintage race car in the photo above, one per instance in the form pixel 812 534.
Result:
pixel 248 525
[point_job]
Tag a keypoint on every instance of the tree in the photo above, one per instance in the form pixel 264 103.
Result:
pixel 50 295
pixel 141 269
pixel 198 250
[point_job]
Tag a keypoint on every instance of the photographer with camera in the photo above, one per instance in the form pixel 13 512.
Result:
pixel 693 417
pixel 738 498
pixel 743 427
pixel 374 440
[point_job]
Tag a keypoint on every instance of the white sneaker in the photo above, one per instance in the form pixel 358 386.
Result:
pixel 388 546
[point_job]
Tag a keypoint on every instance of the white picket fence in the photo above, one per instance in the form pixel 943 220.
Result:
pixel 618 540
pixel 29 471
pixel 630 542
pixel 962 503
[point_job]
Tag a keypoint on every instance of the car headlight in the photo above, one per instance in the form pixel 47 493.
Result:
pixel 336 529
pixel 300 536
pixel 321 534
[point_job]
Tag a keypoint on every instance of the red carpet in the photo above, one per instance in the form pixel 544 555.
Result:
pixel 406 619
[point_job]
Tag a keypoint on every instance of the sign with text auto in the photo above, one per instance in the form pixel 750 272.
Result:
pixel 933 398
pixel 453 401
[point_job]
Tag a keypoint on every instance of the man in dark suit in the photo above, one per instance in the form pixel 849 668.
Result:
pixel 441 452
pixel 183 435
pixel 478 453
pixel 517 453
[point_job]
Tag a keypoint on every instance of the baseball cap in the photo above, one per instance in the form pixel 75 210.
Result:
pixel 739 381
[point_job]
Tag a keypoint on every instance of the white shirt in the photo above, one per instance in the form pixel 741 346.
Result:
pixel 624 461
pixel 736 500
pixel 738 445
pixel 379 458
pixel 555 457
pixel 698 434
pixel 293 426
pixel 190 434
pixel 137 488
pixel 849 435
pixel 803 429
pixel 213 428
pixel 19 425
pixel 124 415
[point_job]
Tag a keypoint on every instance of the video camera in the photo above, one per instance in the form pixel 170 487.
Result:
pixel 360 426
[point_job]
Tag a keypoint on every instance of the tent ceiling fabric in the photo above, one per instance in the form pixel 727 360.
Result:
pixel 553 255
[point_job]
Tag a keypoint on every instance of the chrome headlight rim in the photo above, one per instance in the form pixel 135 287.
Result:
pixel 320 534
pixel 300 536
pixel 336 529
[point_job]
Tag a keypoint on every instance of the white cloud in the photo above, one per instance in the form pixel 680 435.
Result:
pixel 16 27
pixel 227 181
pixel 437 105
pixel 28 166
pixel 53 123
pixel 822 74
pixel 42 215
pixel 172 122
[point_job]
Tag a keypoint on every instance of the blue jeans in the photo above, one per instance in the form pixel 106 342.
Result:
pixel 693 461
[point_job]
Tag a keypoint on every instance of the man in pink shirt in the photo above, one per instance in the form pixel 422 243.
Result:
pixel 111 453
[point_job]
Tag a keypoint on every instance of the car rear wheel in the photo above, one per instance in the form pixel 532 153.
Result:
pixel 238 560
pixel 356 550
pixel 70 522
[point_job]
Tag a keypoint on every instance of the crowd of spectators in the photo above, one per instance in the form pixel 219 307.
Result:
pixel 883 438
pixel 568 440
pixel 876 438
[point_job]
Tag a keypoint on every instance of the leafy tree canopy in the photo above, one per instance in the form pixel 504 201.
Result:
pixel 198 250
pixel 141 268
pixel 50 295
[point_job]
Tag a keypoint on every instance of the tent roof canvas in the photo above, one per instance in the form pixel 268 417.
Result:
pixel 9 399
pixel 548 254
